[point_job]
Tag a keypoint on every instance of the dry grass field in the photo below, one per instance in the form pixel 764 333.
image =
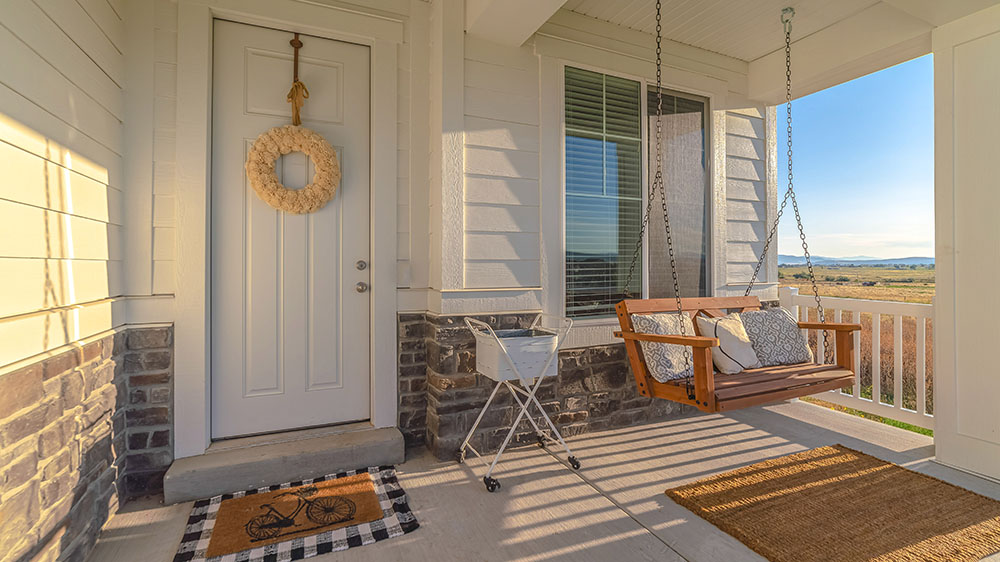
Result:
pixel 890 284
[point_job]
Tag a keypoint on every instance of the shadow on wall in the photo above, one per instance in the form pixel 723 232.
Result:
pixel 60 244
pixel 85 404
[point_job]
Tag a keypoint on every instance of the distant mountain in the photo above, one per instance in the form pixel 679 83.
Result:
pixel 785 259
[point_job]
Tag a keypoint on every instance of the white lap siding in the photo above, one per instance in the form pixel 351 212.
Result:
pixel 747 205
pixel 61 145
pixel 501 166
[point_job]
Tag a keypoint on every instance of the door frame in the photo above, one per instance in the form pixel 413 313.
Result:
pixel 192 334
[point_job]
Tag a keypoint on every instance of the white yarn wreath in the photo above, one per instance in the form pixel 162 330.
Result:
pixel 274 143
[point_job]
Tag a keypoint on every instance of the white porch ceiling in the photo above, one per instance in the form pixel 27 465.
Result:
pixel 750 29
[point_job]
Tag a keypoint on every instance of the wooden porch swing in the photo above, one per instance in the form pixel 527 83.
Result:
pixel 705 389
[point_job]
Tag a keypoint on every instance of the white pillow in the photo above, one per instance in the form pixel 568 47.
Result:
pixel 665 360
pixel 734 354
pixel 776 337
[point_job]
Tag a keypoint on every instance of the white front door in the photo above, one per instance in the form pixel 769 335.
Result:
pixel 290 331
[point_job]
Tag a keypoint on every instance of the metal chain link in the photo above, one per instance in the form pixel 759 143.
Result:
pixel 790 193
pixel 656 186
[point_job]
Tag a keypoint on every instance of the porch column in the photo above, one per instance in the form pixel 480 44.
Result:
pixel 447 154
pixel 967 196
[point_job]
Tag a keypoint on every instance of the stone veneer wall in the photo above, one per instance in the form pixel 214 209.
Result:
pixel 594 390
pixel 80 432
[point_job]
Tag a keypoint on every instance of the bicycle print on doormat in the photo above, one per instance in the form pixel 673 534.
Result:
pixel 298 520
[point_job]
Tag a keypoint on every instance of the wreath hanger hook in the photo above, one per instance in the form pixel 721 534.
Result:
pixel 298 94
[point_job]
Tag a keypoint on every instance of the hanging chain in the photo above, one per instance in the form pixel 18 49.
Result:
pixel 656 187
pixel 786 20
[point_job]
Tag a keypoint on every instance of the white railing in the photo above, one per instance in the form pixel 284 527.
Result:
pixel 852 310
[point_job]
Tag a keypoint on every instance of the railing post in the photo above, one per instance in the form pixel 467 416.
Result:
pixel 876 358
pixel 856 318
pixel 921 366
pixel 897 364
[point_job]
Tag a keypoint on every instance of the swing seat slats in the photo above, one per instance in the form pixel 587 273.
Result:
pixel 714 392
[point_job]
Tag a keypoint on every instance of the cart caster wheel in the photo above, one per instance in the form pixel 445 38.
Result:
pixel 492 484
pixel 541 440
pixel 461 458
pixel 574 463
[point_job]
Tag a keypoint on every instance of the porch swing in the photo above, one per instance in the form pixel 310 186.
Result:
pixel 706 389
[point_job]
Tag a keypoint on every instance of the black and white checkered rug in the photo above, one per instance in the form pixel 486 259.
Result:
pixel 397 520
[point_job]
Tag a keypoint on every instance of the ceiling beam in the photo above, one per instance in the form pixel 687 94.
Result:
pixel 508 22
pixel 876 38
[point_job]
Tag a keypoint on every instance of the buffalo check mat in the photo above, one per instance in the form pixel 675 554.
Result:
pixel 298 520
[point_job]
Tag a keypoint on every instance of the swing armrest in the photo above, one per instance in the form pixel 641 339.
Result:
pixel 835 326
pixel 690 341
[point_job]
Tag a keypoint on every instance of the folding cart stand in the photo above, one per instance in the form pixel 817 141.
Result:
pixel 519 356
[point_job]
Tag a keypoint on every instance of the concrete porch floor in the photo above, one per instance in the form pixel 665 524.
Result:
pixel 612 509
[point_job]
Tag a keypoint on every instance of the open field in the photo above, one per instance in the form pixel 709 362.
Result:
pixel 891 284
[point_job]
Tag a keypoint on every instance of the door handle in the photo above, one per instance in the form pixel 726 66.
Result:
pixel 361 287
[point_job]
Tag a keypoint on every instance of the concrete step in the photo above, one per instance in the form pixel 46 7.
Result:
pixel 254 462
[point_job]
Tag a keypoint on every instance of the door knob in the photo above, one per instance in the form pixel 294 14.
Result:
pixel 361 287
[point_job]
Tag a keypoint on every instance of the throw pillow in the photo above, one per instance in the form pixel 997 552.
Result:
pixel 734 354
pixel 776 337
pixel 665 360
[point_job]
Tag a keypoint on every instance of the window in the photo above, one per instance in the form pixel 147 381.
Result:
pixel 604 192
pixel 688 195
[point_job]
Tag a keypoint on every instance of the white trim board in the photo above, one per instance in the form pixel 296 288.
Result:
pixel 192 339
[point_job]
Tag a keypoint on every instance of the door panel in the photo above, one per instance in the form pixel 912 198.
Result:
pixel 290 335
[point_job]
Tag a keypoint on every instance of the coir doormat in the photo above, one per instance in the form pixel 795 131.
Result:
pixel 298 520
pixel 834 503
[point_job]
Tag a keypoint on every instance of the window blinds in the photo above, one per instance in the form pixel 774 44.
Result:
pixel 603 190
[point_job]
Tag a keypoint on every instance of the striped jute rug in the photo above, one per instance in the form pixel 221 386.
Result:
pixel 834 503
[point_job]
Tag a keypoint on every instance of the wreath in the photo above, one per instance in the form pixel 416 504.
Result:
pixel 274 143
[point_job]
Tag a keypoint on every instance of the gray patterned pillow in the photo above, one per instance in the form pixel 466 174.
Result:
pixel 776 337
pixel 665 360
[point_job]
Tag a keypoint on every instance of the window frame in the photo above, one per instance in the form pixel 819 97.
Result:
pixel 558 293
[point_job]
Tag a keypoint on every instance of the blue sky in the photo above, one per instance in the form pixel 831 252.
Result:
pixel 864 166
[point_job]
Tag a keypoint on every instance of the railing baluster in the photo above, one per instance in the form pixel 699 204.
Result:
pixel 876 358
pixel 836 318
pixel 820 348
pixel 897 355
pixel 856 318
pixel 921 366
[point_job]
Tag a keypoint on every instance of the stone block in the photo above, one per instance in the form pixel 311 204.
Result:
pixel 149 338
pixel 28 423
pixel 137 396
pixel 93 351
pixel 157 415
pixel 59 364
pixel 18 472
pixel 139 361
pixel 606 354
pixel 148 461
pixel 57 464
pixel 159 438
pixel 575 402
pixel 570 417
pixel 20 389
pixel 138 440
pixel 98 376
pixel 95 456
pixel 54 437
pixel 149 379
pixel 450 382
pixel 159 396
pixel 19 512
pixel 72 390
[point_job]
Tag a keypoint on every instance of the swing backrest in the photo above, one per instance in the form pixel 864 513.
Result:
pixel 713 307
